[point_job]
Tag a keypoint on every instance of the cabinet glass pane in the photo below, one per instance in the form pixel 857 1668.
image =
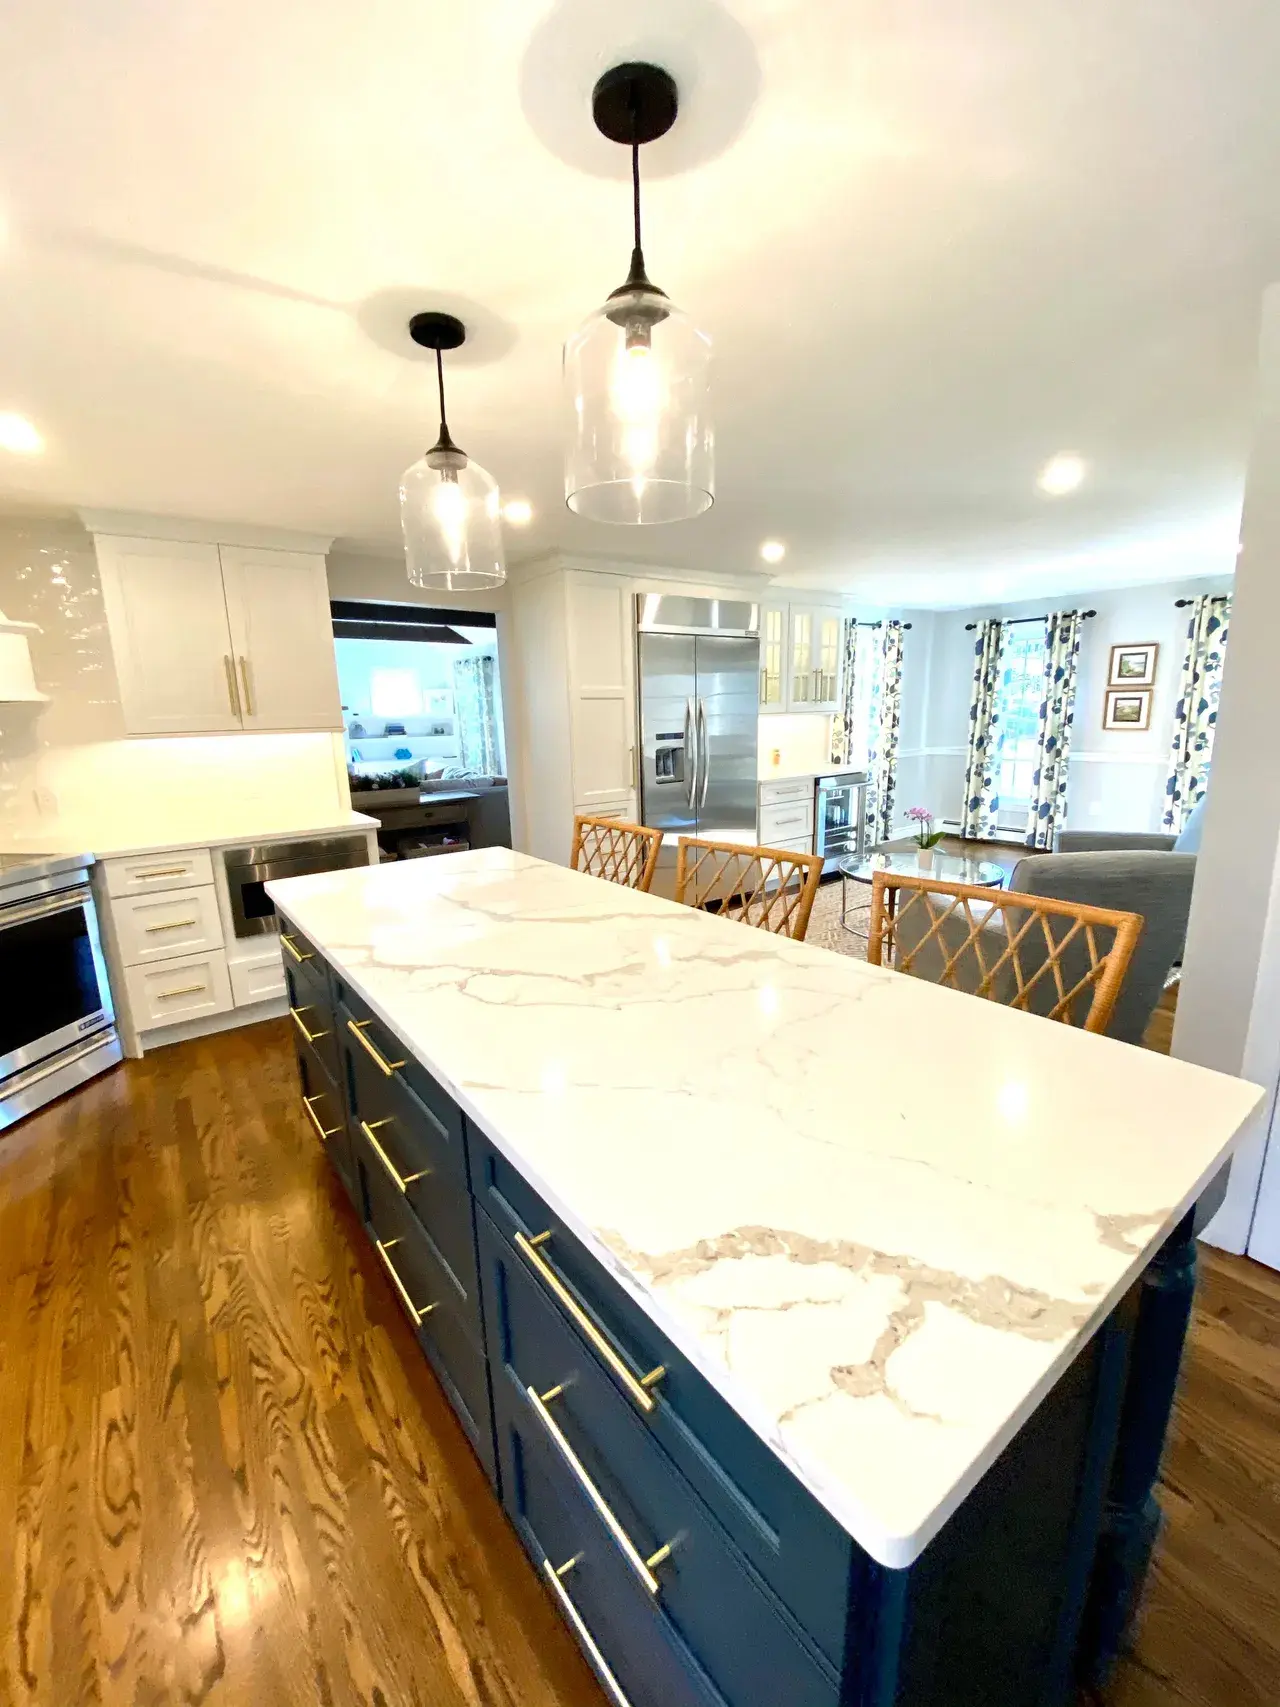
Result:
pixel 801 657
pixel 771 650
pixel 828 658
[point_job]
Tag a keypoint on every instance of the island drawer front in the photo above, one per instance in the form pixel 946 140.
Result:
pixel 799 1550
pixel 728 1619
pixel 146 874
pixel 312 1017
pixel 359 1022
pixel 449 1327
pixel 638 1658
pixel 421 1159
pixel 325 1113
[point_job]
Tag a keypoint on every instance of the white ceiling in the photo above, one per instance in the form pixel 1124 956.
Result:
pixel 934 243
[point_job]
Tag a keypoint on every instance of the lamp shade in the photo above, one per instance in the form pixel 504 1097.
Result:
pixel 17 681
pixel 637 385
pixel 450 513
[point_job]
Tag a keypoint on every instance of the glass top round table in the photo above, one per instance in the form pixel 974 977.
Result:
pixel 906 862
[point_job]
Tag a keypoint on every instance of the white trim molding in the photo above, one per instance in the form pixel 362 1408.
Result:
pixel 135 524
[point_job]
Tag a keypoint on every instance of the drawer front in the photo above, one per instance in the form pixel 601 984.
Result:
pixel 445 1322
pixel 299 951
pixel 168 991
pixel 313 1016
pixel 661 1532
pixel 145 874
pixel 322 1104
pixel 158 927
pixel 808 1561
pixel 421 1161
pixel 256 981
pixel 786 822
pixel 788 789
pixel 803 844
pixel 639 1661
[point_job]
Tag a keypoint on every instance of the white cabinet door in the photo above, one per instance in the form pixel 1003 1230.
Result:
pixel 598 611
pixel 282 638
pixel 801 672
pixel 168 623
pixel 828 636
pixel 773 657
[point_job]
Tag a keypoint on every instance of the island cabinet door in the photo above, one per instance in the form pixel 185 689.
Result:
pixel 652 1523
pixel 641 1389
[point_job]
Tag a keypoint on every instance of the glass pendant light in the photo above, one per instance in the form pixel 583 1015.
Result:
pixel 450 511
pixel 637 373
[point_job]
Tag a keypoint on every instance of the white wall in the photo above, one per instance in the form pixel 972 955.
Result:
pixel 70 776
pixel 1117 778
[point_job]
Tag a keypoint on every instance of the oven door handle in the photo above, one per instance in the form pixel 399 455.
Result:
pixel 60 901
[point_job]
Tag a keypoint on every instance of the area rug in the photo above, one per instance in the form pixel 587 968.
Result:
pixel 825 929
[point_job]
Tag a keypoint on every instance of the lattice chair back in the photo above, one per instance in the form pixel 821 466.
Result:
pixel 765 887
pixel 618 852
pixel 1063 960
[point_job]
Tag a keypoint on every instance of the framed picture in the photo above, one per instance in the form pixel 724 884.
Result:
pixel 1134 666
pixel 1127 709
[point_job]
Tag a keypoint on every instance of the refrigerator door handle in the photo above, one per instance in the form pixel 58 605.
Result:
pixel 690 754
pixel 704 753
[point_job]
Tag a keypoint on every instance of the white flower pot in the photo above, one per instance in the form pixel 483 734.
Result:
pixel 924 859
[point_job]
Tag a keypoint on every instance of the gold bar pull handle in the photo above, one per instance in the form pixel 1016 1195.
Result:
pixel 555 1576
pixel 419 1315
pixel 233 693
pixel 626 1546
pixel 402 1182
pixel 636 1388
pixel 293 948
pixel 250 707
pixel 173 925
pixel 312 1117
pixel 164 871
pixel 183 990
pixel 356 1028
pixel 311 1036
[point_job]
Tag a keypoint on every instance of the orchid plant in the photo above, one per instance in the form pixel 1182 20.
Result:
pixel 922 820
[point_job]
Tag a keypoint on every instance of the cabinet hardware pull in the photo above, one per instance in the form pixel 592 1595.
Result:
pixel 311 1036
pixel 166 871
pixel 293 948
pixel 232 694
pixel 173 925
pixel 401 1182
pixel 635 780
pixel 419 1316
pixel 311 1116
pixel 354 1026
pixel 250 707
pixel 604 1511
pixel 598 1661
pixel 186 990
pixel 636 1390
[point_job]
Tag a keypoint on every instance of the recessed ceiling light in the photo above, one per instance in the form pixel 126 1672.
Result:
pixel 1061 474
pixel 773 551
pixel 517 511
pixel 18 435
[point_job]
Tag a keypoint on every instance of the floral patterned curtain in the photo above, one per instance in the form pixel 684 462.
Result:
pixel 981 793
pixel 843 721
pixel 1195 717
pixel 475 710
pixel 1057 708
pixel 886 715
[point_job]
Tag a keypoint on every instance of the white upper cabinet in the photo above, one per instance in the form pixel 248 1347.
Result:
pixel 800 646
pixel 217 639
pixel 828 633
pixel 281 638
pixel 601 636
pixel 773 658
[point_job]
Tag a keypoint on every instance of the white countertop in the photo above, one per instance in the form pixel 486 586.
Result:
pixel 879 1216
pixel 121 838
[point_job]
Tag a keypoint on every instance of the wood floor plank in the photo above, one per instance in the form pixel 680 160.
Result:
pixel 228 1477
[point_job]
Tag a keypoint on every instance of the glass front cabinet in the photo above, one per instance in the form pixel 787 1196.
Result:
pixel 800 646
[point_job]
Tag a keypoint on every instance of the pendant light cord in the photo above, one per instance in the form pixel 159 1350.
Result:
pixel 444 427
pixel 635 193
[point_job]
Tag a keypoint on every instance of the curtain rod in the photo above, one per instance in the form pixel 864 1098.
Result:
pixel 879 624
pixel 1013 621
pixel 1215 599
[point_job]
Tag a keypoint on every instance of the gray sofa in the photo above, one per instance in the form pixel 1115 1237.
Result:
pixel 1147 874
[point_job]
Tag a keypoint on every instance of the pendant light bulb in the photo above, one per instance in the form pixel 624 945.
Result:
pixel 450 507
pixel 637 372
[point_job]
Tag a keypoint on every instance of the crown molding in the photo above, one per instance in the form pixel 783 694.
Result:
pixel 136 524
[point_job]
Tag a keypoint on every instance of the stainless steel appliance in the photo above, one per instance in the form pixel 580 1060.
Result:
pixel 57 1022
pixel 840 816
pixel 699 665
pixel 250 868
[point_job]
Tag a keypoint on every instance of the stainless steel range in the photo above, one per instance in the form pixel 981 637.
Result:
pixel 57 1022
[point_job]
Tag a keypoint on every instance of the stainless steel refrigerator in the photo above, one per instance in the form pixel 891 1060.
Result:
pixel 699 671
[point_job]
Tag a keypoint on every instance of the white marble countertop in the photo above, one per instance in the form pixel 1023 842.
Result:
pixel 879 1216
pixel 121 838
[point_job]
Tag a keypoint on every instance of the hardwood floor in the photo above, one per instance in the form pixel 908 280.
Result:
pixel 227 1478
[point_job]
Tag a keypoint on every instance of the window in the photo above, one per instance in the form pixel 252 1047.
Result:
pixel 1018 702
